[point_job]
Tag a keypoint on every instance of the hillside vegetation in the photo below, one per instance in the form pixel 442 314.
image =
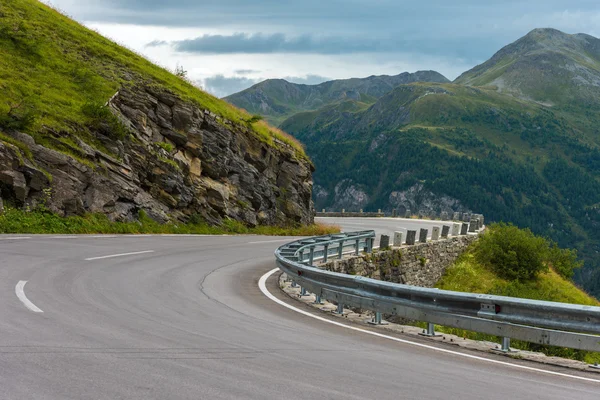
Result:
pixel 543 272
pixel 53 72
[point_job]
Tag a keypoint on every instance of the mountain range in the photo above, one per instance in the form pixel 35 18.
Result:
pixel 516 138
pixel 278 99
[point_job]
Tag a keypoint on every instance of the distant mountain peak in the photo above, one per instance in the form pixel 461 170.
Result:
pixel 546 65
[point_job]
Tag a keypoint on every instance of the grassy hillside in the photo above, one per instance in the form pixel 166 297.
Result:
pixel 52 70
pixel 471 273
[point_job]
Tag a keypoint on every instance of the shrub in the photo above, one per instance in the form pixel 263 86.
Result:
pixel 563 261
pixel 101 120
pixel 513 253
pixel 255 118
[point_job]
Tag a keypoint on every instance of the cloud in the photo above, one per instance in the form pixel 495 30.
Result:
pixel 337 38
pixel 307 80
pixel 222 86
pixel 260 43
pixel 245 71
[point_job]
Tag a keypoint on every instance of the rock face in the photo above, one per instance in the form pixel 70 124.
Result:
pixel 181 162
pixel 420 200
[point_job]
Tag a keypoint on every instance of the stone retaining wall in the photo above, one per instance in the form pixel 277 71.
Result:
pixel 422 264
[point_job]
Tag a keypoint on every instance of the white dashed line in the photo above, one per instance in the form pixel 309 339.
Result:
pixel 19 290
pixel 16 238
pixel 263 287
pixel 119 255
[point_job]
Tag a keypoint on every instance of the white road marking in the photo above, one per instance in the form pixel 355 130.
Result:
pixel 263 288
pixel 119 255
pixel 19 290
pixel 16 238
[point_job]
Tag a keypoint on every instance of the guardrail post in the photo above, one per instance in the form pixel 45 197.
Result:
pixel 377 320
pixel 505 345
pixel 340 309
pixel 318 299
pixel 325 252
pixel 430 332
pixel 294 284
pixel 301 257
pixel 341 250
pixel 357 250
pixel 311 256
pixel 370 245
pixel 303 292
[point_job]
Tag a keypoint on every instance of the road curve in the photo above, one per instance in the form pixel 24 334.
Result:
pixel 163 317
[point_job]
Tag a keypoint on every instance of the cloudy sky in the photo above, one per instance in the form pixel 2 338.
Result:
pixel 228 45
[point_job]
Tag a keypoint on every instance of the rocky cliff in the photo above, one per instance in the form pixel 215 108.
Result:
pixel 178 162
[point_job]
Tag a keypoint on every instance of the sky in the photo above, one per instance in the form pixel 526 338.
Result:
pixel 228 45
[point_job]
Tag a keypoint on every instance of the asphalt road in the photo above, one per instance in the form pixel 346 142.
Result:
pixel 385 226
pixel 184 319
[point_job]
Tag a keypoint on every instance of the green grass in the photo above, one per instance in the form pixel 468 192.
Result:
pixel 51 67
pixel 467 275
pixel 44 222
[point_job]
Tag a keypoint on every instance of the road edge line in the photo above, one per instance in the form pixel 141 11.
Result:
pixel 263 288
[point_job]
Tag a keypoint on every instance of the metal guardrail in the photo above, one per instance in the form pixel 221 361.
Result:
pixel 544 322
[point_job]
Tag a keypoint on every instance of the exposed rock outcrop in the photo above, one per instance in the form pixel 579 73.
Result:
pixel 420 200
pixel 181 161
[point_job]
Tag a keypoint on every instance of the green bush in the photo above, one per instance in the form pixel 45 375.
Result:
pixel 518 255
pixel 512 253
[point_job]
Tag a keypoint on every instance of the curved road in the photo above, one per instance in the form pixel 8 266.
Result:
pixel 183 317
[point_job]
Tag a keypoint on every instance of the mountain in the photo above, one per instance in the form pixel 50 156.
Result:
pixel 546 66
pixel 515 138
pixel 277 99
pixel 87 126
